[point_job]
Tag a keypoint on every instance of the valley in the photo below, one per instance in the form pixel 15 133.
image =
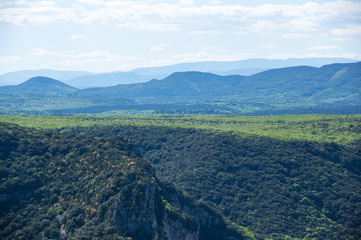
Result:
pixel 333 89
pixel 271 177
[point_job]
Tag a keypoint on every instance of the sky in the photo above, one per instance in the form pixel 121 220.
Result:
pixel 109 35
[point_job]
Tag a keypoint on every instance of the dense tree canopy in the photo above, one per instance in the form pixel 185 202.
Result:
pixel 279 176
pixel 56 186
pixel 276 188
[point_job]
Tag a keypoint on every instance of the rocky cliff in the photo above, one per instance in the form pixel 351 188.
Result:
pixel 58 186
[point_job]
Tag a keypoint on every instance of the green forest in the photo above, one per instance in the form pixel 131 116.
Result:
pixel 254 177
pixel 66 186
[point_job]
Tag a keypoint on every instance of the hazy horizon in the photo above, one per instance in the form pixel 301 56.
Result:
pixel 104 36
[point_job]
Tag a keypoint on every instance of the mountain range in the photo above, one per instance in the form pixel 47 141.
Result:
pixel 80 79
pixel 302 86
pixel 330 83
pixel 240 67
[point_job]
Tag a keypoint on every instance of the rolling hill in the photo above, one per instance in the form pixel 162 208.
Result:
pixel 39 85
pixel 331 83
pixel 81 79
pixel 240 67
pixel 182 84
pixel 106 79
pixel 331 88
pixel 17 77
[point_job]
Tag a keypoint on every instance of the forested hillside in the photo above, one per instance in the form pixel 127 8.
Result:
pixel 39 85
pixel 56 186
pixel 340 129
pixel 280 176
pixel 276 188
pixel 335 83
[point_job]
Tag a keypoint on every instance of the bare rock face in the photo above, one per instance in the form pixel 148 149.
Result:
pixel 161 212
pixel 148 217
pixel 139 220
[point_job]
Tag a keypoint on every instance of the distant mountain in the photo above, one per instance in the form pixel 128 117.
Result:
pixel 241 67
pixel 330 83
pixel 39 85
pixel 13 78
pixel 106 79
pixel 332 88
pixel 182 84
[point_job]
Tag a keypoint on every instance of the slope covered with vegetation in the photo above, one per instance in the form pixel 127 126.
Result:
pixel 39 85
pixel 341 129
pixel 280 176
pixel 37 104
pixel 276 188
pixel 56 186
pixel 333 89
pixel 335 83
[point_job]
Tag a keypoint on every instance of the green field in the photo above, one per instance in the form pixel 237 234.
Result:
pixel 342 129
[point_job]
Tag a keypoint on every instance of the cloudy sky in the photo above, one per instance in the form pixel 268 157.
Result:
pixel 109 35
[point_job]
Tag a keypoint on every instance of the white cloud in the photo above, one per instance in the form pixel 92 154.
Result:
pixel 35 4
pixel 156 48
pixel 206 32
pixel 75 37
pixel 37 13
pixel 296 35
pixel 186 2
pixel 314 55
pixel 216 2
pixel 322 48
pixel 160 47
pixel 157 15
pixel 96 61
pixel 9 59
pixel 339 39
pixel 349 30
pixel 268 46
pixel 291 25
pixel 92 2
pixel 91 56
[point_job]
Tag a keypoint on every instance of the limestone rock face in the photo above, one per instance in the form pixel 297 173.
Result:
pixel 162 212
pixel 148 218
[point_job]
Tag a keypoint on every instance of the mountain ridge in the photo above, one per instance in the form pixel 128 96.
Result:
pixel 106 79
pixel 17 77
pixel 300 81
pixel 39 85
pixel 330 88
pixel 220 67
pixel 241 67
